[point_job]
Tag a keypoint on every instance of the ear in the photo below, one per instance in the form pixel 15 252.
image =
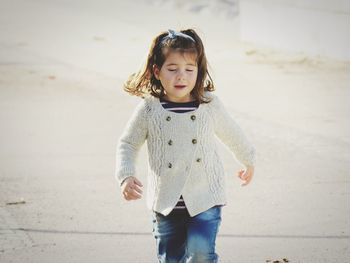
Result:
pixel 155 71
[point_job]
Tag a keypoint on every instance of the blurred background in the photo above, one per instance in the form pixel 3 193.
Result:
pixel 282 69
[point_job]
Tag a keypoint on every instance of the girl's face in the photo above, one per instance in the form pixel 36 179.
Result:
pixel 178 76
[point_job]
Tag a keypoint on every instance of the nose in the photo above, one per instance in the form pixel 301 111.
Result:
pixel 181 75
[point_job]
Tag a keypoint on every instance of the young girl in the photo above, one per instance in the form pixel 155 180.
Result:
pixel 179 117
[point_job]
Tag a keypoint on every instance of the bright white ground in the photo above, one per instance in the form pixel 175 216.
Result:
pixel 62 110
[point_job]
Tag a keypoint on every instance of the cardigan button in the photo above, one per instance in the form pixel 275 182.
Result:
pixel 170 142
pixel 199 160
pixel 168 118
pixel 194 141
pixel 193 117
pixel 170 165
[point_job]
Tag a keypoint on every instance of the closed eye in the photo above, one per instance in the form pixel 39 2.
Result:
pixel 189 70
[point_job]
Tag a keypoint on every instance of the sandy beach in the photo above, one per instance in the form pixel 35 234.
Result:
pixel 62 65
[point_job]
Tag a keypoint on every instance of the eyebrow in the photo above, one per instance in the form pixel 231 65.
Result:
pixel 174 64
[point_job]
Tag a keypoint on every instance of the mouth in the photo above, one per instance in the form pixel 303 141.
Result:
pixel 180 86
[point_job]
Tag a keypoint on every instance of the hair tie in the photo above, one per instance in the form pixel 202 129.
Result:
pixel 174 34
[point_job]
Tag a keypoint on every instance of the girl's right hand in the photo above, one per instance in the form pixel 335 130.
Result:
pixel 131 188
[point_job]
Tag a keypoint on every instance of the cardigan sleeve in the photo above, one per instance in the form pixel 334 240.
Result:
pixel 229 132
pixel 130 142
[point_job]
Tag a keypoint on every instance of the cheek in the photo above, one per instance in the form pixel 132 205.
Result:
pixel 194 77
pixel 168 76
pixel 164 79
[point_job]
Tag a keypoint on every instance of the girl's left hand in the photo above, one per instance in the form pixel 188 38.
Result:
pixel 246 175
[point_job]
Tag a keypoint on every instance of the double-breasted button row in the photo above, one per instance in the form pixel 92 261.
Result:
pixel 198 160
pixel 193 117
pixel 194 141
pixel 170 165
pixel 170 142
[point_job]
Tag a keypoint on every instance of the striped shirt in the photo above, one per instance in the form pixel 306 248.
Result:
pixel 179 107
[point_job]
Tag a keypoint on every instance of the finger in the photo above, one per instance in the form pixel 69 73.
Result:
pixel 134 195
pixel 241 172
pixel 126 186
pixel 137 189
pixel 137 182
pixel 126 197
pixel 243 176
pixel 127 190
pixel 249 176
pixel 130 197
pixel 247 181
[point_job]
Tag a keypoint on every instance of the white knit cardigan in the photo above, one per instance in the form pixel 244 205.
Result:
pixel 183 156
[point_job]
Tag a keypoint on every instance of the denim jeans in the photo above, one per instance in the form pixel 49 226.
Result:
pixel 181 238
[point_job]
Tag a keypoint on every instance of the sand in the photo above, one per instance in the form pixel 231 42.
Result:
pixel 63 109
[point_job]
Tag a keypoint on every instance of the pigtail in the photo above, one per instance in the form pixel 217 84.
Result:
pixel 143 82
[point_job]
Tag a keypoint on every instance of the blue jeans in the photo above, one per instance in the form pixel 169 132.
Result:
pixel 181 238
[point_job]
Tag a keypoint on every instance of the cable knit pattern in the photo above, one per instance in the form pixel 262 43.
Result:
pixel 183 153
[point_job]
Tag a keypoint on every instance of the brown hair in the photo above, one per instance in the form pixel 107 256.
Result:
pixel 144 81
